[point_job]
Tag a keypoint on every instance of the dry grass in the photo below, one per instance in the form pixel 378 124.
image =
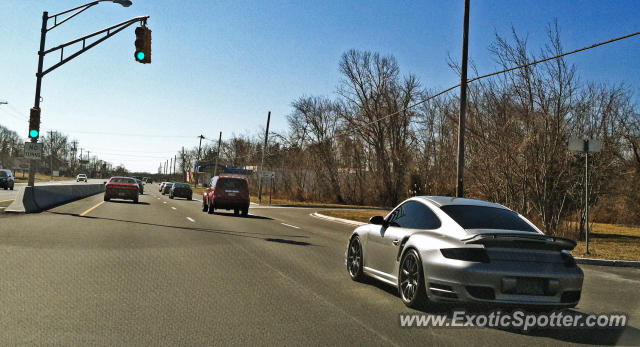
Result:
pixel 357 215
pixel 611 241
pixel 40 178
pixel 607 241
pixel 265 201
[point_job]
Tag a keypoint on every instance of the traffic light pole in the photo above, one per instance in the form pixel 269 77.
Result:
pixel 33 164
pixel 110 31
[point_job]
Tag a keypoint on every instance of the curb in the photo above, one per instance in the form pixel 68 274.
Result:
pixel 337 220
pixel 604 262
pixel 584 261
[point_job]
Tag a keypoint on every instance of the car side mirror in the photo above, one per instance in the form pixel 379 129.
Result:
pixel 376 220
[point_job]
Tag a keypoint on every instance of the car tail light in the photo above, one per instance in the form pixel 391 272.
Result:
pixel 478 255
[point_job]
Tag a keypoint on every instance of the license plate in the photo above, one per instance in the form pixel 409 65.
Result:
pixel 530 286
pixel 122 194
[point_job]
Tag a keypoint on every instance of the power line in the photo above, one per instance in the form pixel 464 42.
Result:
pixel 498 73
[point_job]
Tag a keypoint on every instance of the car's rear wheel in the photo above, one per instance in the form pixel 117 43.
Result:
pixel 204 205
pixel 190 197
pixel 354 259
pixel 411 280
pixel 106 198
pixel 236 211
pixel 135 201
pixel 245 212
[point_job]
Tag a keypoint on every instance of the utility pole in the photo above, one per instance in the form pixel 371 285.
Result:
pixel 195 174
pixel 186 179
pixel 73 160
pixel 51 154
pixel 463 102
pixel 174 164
pixel 266 138
pixel 215 170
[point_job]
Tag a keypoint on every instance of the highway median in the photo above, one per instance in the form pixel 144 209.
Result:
pixel 40 198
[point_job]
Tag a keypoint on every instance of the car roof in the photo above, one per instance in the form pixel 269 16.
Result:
pixel 448 200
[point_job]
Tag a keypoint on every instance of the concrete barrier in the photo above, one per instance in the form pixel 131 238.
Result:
pixel 40 198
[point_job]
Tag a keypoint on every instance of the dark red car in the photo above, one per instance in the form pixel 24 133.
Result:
pixel 121 188
pixel 227 193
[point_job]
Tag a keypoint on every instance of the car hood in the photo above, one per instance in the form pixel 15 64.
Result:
pixel 517 239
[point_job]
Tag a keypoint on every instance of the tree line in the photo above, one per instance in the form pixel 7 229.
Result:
pixel 346 148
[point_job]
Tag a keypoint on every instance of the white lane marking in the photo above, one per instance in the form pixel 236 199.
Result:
pixel 191 219
pixel 164 202
pixel 173 208
pixel 289 225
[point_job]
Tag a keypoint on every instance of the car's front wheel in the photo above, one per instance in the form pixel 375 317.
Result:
pixel 211 209
pixel 354 259
pixel 204 205
pixel 411 280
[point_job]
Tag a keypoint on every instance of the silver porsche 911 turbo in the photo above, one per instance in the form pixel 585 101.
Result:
pixel 447 249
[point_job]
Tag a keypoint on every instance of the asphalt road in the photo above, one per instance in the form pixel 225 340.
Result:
pixel 7 196
pixel 162 272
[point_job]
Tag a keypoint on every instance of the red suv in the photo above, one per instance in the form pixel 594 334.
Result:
pixel 227 193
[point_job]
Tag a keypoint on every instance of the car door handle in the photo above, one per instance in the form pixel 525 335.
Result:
pixel 395 242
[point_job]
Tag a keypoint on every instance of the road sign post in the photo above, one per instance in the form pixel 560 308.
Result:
pixel 585 145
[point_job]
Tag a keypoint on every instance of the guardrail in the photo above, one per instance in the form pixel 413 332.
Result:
pixel 40 198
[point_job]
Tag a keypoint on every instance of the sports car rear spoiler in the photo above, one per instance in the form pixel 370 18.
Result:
pixel 522 241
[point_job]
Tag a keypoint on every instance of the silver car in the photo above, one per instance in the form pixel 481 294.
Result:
pixel 447 249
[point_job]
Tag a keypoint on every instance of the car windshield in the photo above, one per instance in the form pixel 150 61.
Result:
pixel 485 217
pixel 182 185
pixel 229 183
pixel 3 174
pixel 123 180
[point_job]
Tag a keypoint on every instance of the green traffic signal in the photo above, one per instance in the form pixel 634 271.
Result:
pixel 33 133
pixel 140 56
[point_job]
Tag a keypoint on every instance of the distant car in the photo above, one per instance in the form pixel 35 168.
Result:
pixel 149 180
pixel 166 188
pixel 137 177
pixel 121 188
pixel 227 193
pixel 82 177
pixel 181 190
pixel 6 179
pixel 162 186
pixel 443 249
pixel 140 186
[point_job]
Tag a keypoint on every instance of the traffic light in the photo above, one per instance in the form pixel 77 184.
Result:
pixel 143 45
pixel 34 123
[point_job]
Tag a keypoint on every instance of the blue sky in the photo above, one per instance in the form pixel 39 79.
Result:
pixel 221 65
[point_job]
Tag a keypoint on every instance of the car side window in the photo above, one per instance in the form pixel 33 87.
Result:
pixel 414 215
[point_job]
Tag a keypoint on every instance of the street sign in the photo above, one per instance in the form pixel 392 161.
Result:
pixel 268 174
pixel 32 150
pixel 577 144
